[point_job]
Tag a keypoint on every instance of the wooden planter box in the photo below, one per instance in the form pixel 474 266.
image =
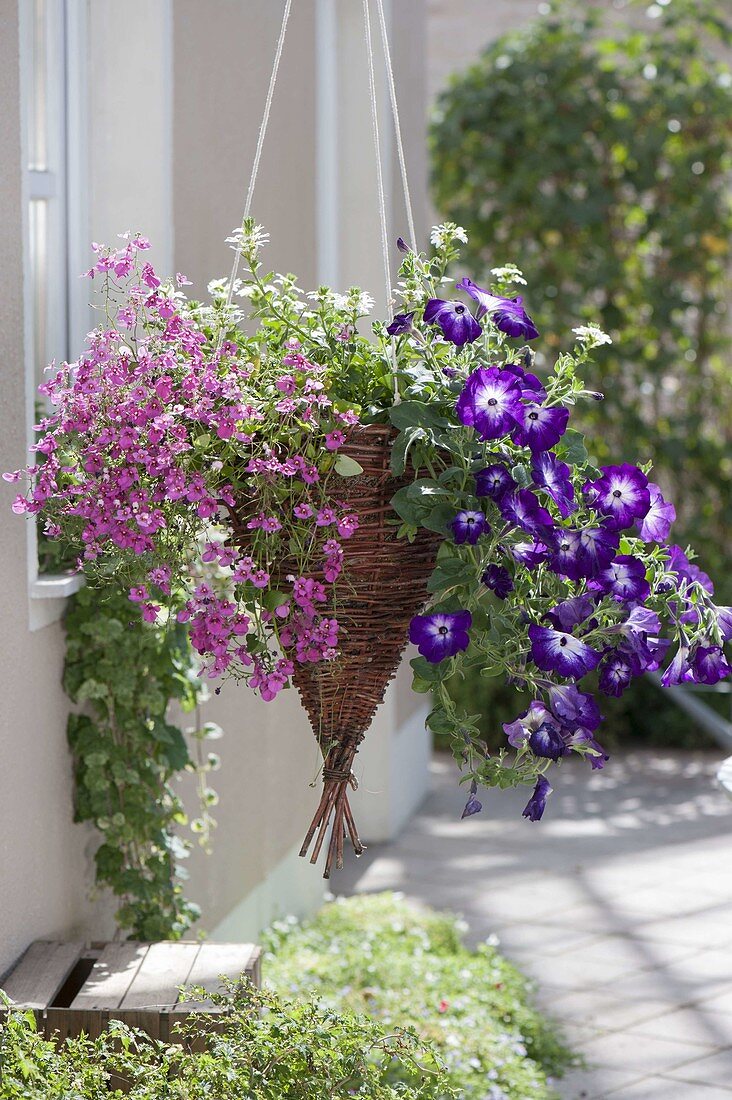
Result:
pixel 74 988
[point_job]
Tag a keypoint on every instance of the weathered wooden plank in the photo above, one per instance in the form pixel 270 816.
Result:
pixel 215 959
pixel 41 972
pixel 164 969
pixel 111 976
pixel 64 1023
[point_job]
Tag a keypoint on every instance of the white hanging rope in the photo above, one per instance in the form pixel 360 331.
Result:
pixel 258 154
pixel 397 126
pixel 377 151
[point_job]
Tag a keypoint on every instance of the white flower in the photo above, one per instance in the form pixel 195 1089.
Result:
pixel 442 235
pixel 591 336
pixel 509 273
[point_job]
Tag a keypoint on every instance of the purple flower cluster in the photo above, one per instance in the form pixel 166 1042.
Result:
pixel 124 458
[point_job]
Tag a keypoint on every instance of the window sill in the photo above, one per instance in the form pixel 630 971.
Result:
pixel 56 586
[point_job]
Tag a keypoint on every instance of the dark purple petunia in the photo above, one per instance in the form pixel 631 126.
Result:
pixel 547 741
pixel 624 579
pixel 621 495
pixel 571 613
pixel 724 622
pixel 615 673
pixel 403 246
pixel 656 524
pixel 499 580
pixel 710 665
pixel 490 402
pixel 473 805
pixel 468 526
pixel 679 563
pixel 523 510
pixel 540 426
pixel 531 387
pixel 583 553
pixel 493 481
pixel 536 805
pixel 559 652
pixel 454 319
pixel 519 731
pixel 574 707
pixel 441 634
pixel 679 670
pixel 507 314
pixel 556 478
pixel 529 553
pixel 402 323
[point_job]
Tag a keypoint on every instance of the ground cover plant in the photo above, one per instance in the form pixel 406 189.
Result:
pixel 405 967
pixel 264 1048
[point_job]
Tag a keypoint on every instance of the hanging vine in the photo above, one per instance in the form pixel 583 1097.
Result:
pixel 128 753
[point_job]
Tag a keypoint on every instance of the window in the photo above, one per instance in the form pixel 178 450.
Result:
pixel 53 36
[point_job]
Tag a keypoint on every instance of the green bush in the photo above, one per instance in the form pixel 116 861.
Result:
pixel 405 967
pixel 266 1049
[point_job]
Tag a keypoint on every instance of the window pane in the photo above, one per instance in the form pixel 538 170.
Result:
pixel 38 224
pixel 38 105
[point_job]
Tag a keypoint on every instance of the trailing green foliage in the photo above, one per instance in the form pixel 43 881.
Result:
pixel 265 1048
pixel 595 148
pixel 408 968
pixel 127 753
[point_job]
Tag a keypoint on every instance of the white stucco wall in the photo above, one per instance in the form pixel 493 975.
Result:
pixel 176 90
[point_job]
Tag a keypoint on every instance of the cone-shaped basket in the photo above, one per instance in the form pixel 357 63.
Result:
pixel 384 583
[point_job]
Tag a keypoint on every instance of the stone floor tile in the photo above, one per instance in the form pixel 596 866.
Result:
pixel 664 1088
pixel 715 1069
pixel 592 1084
pixel 688 1025
pixel 647 1056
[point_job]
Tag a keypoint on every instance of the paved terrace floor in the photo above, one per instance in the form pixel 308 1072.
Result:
pixel 619 904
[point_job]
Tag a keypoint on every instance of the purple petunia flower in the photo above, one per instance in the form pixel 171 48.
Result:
pixel 522 727
pixel 531 387
pixel 540 427
pixel 498 579
pixel 574 707
pixel 615 673
pixel 536 805
pixel 656 524
pixel 559 652
pixel 687 570
pixel 493 481
pixel 724 621
pixel 441 634
pixel 523 509
pixel 679 671
pixel 473 805
pixel 624 579
pixel 710 665
pixel 468 526
pixel 571 613
pixel 507 314
pixel 556 478
pixel 490 402
pixel 547 741
pixel 621 494
pixel 456 321
pixel 403 246
pixel 582 553
pixel 529 553
pixel 401 323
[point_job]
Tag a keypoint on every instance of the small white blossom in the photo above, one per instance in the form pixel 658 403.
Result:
pixel 591 336
pixel 509 273
pixel 444 234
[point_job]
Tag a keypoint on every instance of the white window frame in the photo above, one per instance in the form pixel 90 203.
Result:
pixel 60 183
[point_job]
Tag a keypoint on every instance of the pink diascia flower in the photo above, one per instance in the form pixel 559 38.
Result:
pixel 334 440
pixel 303 511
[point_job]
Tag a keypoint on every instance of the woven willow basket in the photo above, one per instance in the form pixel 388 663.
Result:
pixel 383 585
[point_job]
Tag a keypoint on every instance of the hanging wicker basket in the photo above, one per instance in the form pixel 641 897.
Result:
pixel 383 585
